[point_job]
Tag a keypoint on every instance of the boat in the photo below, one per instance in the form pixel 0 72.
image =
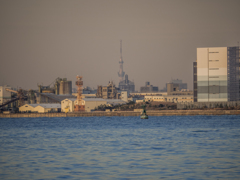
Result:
pixel 144 114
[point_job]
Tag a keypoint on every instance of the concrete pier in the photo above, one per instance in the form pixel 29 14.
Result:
pixel 125 113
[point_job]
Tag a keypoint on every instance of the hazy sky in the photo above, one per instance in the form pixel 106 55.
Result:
pixel 41 40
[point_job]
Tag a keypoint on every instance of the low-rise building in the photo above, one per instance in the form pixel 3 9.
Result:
pixel 40 108
pixel 67 105
pixel 170 98
pixel 92 103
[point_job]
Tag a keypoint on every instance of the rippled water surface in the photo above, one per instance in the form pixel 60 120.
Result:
pixel 164 147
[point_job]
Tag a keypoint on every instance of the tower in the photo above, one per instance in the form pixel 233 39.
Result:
pixel 121 72
pixel 79 106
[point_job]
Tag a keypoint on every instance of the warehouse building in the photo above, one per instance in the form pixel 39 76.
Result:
pixel 89 103
pixel 40 108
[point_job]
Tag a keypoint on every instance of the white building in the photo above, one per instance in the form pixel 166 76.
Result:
pixel 67 105
pixel 217 76
pixel 170 98
pixel 124 95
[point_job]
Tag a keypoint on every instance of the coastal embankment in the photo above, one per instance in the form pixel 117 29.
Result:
pixel 124 113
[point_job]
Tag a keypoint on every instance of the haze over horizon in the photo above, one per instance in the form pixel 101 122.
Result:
pixel 42 40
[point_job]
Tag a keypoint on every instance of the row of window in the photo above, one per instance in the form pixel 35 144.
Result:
pixel 213 76
pixel 213 68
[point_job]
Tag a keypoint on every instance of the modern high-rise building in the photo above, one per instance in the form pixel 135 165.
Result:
pixel 216 74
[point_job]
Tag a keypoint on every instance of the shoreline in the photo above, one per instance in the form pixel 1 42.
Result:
pixel 124 113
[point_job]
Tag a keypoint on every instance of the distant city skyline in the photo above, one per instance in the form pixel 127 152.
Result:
pixel 42 40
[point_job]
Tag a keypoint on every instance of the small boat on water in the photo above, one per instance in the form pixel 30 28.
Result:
pixel 144 114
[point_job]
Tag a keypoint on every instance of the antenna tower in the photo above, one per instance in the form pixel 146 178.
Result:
pixel 121 72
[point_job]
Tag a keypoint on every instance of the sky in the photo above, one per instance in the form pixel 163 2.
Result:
pixel 41 40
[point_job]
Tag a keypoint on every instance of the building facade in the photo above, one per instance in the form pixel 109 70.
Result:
pixel 108 92
pixel 40 108
pixel 217 74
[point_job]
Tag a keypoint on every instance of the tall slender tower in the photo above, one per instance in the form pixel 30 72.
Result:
pixel 79 106
pixel 121 73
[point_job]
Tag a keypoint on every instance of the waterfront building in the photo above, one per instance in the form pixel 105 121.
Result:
pixel 40 108
pixel 67 105
pixel 92 103
pixel 170 98
pixel 216 74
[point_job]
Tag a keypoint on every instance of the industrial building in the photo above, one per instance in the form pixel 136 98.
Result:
pixel 4 94
pixel 216 74
pixel 148 88
pixel 126 85
pixel 61 87
pixel 89 103
pixel 67 105
pixel 11 99
pixel 40 108
pixel 42 98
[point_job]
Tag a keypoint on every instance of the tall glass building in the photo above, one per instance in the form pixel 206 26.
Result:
pixel 216 74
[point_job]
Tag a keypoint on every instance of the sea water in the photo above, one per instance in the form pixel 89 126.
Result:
pixel 163 147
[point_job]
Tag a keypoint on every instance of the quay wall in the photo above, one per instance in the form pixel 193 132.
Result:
pixel 125 113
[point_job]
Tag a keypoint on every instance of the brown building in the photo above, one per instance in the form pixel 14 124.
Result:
pixel 108 92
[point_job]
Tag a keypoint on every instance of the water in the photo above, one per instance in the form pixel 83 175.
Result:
pixel 164 147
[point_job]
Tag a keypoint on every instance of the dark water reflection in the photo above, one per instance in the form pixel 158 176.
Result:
pixel 177 147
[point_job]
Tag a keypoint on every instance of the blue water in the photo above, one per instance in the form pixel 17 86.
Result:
pixel 164 147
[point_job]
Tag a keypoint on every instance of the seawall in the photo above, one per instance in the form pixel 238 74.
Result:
pixel 125 113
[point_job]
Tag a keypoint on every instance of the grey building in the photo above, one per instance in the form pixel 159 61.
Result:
pixel 178 83
pixel 148 88
pixel 127 85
